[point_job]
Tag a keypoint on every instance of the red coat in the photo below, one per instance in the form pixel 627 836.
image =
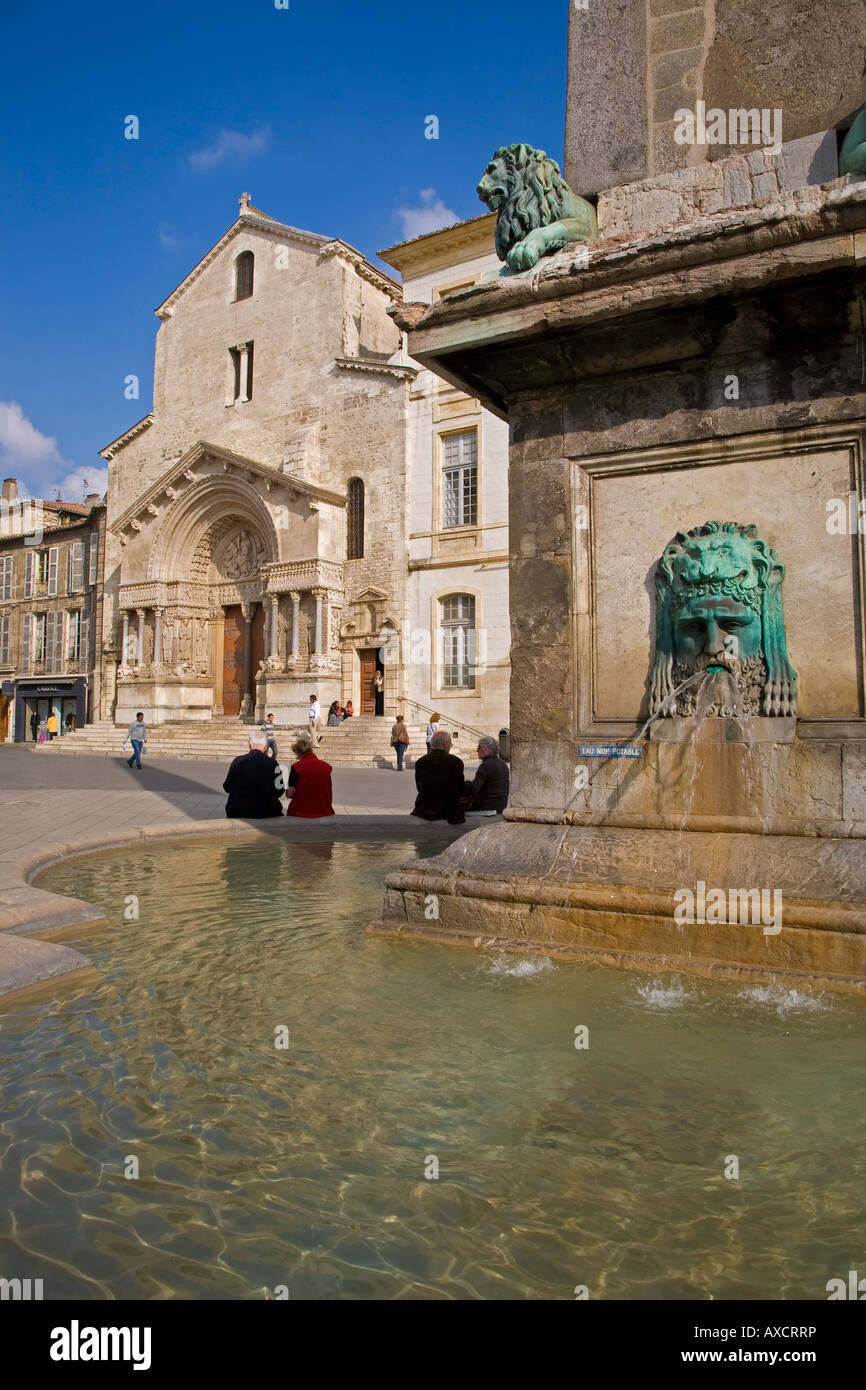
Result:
pixel 311 778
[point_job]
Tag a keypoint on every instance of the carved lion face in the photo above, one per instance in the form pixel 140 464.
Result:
pixel 723 555
pixel 495 183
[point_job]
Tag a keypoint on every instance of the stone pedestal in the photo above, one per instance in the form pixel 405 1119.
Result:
pixel 711 371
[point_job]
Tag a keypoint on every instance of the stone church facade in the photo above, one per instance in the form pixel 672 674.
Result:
pixel 256 529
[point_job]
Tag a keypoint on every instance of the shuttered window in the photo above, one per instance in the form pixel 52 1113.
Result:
pixel 73 634
pixel 75 567
pixel 25 654
pixel 52 569
pixel 94 558
pixel 355 520
pixel 31 562
pixel 84 642
pixel 5 624
pixel 54 640
pixel 5 576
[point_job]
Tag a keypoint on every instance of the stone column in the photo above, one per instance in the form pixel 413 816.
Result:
pixel 318 595
pixel 139 655
pixel 275 626
pixel 124 645
pixel 157 636
pixel 247 703
pixel 244 350
pixel 296 624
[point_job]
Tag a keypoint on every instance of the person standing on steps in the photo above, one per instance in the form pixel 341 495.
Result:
pixel 379 695
pixel 137 736
pixel 315 711
pixel 269 731
pixel 52 725
pixel 433 728
pixel 400 740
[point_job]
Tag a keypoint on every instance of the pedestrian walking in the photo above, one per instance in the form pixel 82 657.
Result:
pixel 52 725
pixel 269 731
pixel 400 740
pixel 137 736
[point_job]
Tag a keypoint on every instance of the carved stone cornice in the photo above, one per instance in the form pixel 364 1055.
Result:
pixel 303 575
pixel 173 593
pixel 211 461
pixel 347 253
pixel 402 371
pixel 111 449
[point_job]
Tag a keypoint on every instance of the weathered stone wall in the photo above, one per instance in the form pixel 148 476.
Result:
pixel 634 63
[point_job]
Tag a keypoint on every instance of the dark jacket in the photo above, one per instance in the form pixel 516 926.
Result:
pixel 439 779
pixel 489 787
pixel 251 787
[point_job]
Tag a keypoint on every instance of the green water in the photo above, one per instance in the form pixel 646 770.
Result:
pixel 305 1167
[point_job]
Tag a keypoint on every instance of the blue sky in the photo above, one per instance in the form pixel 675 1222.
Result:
pixel 318 111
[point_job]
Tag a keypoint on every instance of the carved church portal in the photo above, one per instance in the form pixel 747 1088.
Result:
pixel 238 677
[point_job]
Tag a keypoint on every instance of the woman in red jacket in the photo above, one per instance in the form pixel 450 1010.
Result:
pixel 310 793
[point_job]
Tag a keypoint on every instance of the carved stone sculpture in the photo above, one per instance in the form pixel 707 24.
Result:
pixel 538 213
pixel 719 605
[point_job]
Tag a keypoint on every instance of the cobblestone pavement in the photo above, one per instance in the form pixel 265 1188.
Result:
pixel 46 797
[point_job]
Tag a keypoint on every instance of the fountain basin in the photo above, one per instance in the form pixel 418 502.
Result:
pixel 609 894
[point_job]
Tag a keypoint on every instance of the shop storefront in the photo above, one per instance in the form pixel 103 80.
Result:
pixel 36 701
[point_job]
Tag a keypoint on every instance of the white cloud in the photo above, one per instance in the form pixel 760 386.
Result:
pixel 77 484
pixel 169 236
pixel 429 217
pixel 36 461
pixel 231 145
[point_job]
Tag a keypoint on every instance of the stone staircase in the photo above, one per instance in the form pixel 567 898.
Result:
pixel 360 742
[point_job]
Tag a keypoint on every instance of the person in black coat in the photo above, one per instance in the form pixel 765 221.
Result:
pixel 253 793
pixel 439 779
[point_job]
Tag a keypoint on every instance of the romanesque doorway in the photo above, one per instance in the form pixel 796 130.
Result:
pixel 238 677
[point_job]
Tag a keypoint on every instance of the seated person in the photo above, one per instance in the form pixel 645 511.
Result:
pixel 253 792
pixel 440 783
pixel 335 714
pixel 310 792
pixel 487 793
pixel 349 711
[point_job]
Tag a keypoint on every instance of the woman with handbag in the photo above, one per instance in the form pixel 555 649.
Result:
pixel 400 740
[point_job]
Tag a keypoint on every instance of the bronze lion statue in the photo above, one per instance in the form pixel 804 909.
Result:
pixel 538 213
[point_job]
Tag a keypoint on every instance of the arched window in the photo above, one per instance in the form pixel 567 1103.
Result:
pixel 458 642
pixel 355 521
pixel 244 275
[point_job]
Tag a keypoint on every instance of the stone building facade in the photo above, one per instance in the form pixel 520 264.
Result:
pixel 256 518
pixel 456 648
pixel 51 571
